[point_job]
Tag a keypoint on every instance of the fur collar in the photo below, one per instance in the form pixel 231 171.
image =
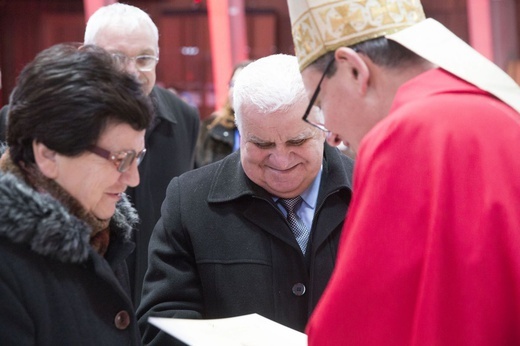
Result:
pixel 42 223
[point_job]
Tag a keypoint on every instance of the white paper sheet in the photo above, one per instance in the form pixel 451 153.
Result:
pixel 246 330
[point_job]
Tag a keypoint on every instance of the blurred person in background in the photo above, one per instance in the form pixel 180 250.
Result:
pixel 218 136
pixel 76 135
pixel 130 35
pixel 3 118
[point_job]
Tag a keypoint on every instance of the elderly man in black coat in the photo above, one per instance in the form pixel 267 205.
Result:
pixel 224 245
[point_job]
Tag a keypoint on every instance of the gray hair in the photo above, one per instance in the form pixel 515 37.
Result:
pixel 129 15
pixel 268 85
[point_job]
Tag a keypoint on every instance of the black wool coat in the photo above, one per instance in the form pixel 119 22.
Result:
pixel 54 288
pixel 170 150
pixel 222 248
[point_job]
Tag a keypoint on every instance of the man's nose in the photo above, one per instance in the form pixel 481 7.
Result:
pixel 131 67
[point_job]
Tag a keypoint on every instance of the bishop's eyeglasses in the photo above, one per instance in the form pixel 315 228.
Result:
pixel 317 120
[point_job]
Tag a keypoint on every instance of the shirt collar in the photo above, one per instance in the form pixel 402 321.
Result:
pixel 310 195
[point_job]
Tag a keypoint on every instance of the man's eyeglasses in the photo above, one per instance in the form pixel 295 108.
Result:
pixel 121 159
pixel 314 121
pixel 142 62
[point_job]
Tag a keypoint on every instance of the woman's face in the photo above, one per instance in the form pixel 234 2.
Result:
pixel 95 181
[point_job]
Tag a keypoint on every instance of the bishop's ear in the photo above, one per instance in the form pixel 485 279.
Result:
pixel 45 159
pixel 357 67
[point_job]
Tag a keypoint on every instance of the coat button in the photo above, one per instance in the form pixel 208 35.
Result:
pixel 298 289
pixel 122 320
pixel 225 133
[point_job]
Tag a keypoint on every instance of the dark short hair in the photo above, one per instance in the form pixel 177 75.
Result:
pixel 67 96
pixel 381 51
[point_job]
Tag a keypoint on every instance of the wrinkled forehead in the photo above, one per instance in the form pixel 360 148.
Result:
pixel 278 126
pixel 121 30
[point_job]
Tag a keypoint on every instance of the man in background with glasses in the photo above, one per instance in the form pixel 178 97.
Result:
pixel 132 38
pixel 429 253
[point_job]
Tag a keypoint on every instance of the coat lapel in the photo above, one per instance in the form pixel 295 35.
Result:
pixel 264 214
pixel 334 196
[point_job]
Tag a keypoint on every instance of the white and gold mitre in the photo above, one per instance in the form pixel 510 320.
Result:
pixel 320 26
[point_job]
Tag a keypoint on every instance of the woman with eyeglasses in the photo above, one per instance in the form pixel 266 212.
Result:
pixel 75 136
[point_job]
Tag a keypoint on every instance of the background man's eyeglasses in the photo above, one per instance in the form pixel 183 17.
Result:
pixel 121 159
pixel 142 62
pixel 315 122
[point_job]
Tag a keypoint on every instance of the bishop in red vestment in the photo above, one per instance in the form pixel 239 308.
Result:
pixel 430 250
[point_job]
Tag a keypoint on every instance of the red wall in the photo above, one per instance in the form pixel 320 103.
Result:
pixel 28 26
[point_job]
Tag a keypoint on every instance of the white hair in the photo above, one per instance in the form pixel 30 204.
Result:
pixel 128 15
pixel 267 85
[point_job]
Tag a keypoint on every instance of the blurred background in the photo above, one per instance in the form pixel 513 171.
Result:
pixel 189 62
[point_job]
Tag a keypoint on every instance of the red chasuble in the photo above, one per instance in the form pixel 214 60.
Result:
pixel 430 252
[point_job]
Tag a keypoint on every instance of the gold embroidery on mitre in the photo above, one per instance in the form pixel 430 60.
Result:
pixel 306 37
pixel 333 24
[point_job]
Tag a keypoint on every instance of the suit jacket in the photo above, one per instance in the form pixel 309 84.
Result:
pixel 170 145
pixel 223 248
